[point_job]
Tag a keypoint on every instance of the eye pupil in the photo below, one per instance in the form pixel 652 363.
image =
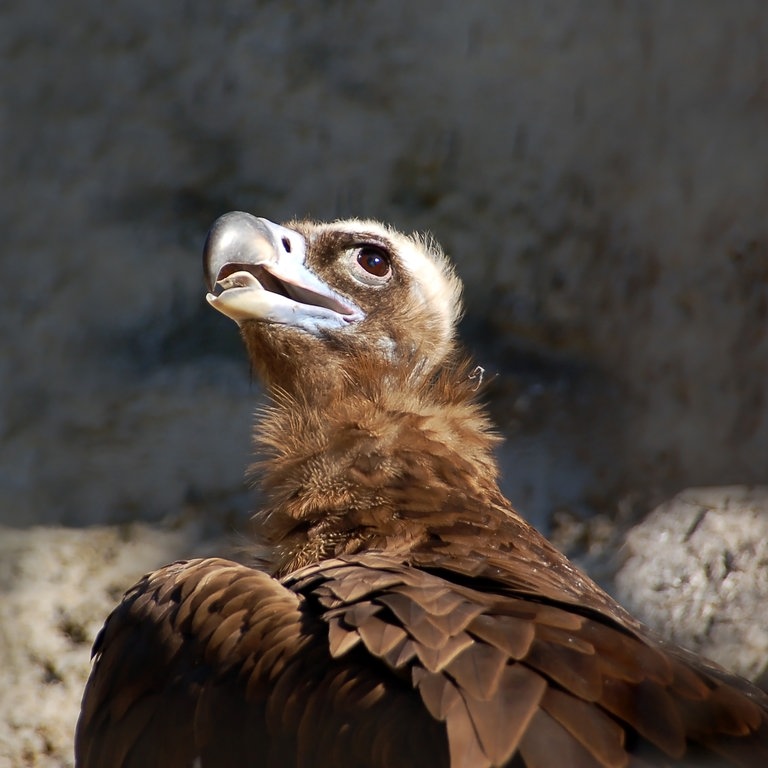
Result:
pixel 373 261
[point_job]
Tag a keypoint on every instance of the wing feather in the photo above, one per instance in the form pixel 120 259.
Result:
pixel 364 659
pixel 598 733
pixel 501 720
pixel 510 634
pixel 478 670
pixel 380 636
pixel 545 737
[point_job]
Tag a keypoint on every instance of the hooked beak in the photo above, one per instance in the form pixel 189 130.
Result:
pixel 255 270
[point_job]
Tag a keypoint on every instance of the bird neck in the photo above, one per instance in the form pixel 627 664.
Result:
pixel 386 462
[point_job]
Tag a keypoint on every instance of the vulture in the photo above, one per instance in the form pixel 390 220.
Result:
pixel 395 611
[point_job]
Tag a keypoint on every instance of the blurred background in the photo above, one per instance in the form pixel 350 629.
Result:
pixel 597 170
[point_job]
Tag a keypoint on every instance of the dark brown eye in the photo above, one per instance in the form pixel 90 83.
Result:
pixel 374 261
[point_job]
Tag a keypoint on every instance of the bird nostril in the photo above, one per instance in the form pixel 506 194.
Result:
pixel 287 245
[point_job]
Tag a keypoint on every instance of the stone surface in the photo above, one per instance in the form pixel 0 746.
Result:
pixel 57 586
pixel 697 571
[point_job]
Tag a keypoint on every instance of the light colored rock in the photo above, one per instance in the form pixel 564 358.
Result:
pixel 57 586
pixel 697 571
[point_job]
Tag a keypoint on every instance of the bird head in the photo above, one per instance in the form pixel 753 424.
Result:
pixel 318 301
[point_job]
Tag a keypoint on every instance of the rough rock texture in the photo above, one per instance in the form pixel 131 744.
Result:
pixel 697 571
pixel 597 169
pixel 57 586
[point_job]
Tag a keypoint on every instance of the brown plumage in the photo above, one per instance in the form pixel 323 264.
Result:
pixel 403 614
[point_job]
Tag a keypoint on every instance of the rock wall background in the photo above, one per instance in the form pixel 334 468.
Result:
pixel 598 170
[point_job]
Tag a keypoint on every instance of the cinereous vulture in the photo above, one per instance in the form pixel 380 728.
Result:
pixel 397 611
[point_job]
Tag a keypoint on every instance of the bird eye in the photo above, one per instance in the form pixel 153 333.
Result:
pixel 374 261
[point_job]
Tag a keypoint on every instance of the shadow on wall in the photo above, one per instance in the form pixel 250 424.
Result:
pixel 595 170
